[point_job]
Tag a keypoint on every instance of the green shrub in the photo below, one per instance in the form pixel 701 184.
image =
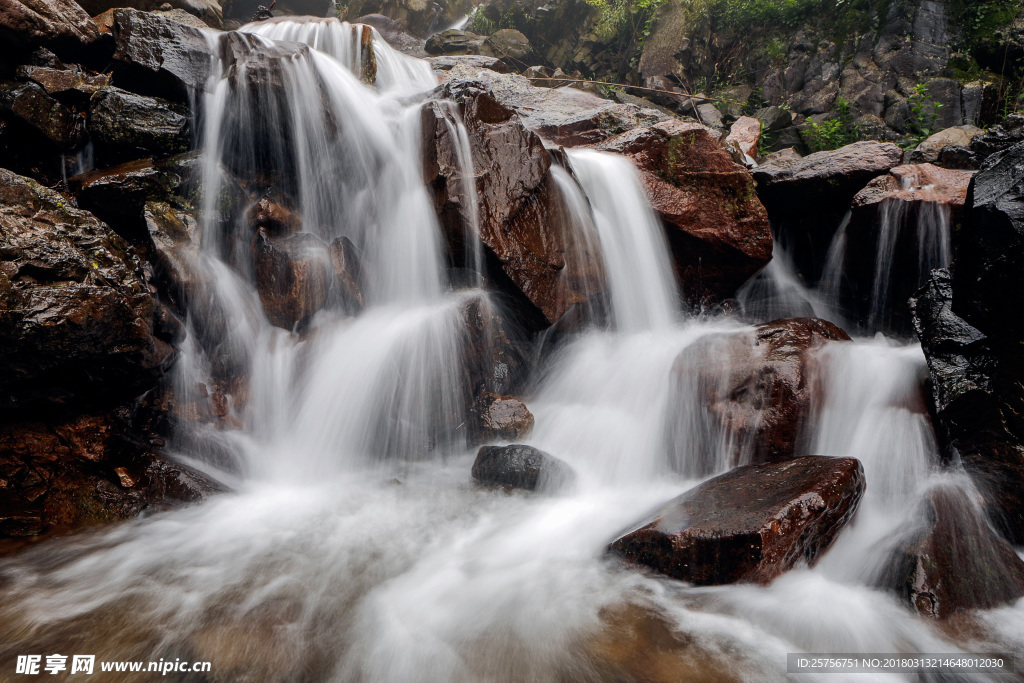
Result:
pixel 923 119
pixel 834 132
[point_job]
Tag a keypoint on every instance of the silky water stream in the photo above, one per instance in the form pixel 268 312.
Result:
pixel 354 546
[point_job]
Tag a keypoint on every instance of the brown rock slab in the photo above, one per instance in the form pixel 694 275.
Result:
pixel 750 524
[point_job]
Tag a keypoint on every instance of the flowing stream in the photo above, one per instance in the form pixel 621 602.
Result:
pixel 354 545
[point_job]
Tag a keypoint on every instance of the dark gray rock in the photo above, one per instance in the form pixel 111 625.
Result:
pixel 137 125
pixel 520 467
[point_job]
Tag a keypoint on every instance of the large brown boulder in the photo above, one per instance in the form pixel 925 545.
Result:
pixel 717 229
pixel 76 318
pixel 519 206
pixel 58 23
pixel 954 561
pixel 742 397
pixel 750 524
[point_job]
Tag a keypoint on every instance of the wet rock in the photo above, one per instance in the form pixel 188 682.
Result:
pixel 949 148
pixel 999 138
pixel 520 467
pixel 563 116
pixel 61 24
pixel 135 125
pixel 744 395
pixel 70 81
pixel 990 251
pixel 500 418
pixel 742 140
pixel 77 321
pixel 954 562
pixel 118 194
pixel 293 276
pixel 159 56
pixel 717 229
pixel 418 18
pixel 30 103
pixel 824 178
pixel 84 471
pixel 909 214
pixel 274 217
pixel 519 213
pixel 750 524
pixel 808 197
pixel 173 253
pixel 976 397
pixel 495 350
pixel 348 275
pixel 208 12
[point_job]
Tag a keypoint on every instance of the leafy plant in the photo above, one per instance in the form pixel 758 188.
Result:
pixel 923 118
pixel 479 23
pixel 834 132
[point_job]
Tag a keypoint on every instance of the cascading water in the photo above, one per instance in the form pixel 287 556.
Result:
pixel 350 550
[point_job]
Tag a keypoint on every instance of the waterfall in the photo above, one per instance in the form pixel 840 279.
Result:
pixel 633 245
pixel 354 546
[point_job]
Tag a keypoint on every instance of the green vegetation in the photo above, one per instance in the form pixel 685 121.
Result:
pixel 923 119
pixel 835 131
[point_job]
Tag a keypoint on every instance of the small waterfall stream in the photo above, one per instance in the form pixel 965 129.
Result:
pixel 354 547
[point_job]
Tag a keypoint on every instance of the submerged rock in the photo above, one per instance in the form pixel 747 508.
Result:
pixel 955 562
pixel 717 229
pixel 744 395
pixel 520 467
pixel 750 524
pixel 76 317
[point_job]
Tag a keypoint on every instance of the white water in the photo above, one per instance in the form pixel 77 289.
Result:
pixel 355 547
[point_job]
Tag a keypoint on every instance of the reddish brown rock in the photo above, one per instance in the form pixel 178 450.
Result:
pixel 59 23
pixel 955 562
pixel 277 219
pixel 750 524
pixel 918 183
pixel 747 393
pixel 717 229
pixel 520 214
pixel 77 322
pixel 742 140
pixel 174 252
pixel 500 418
pixel 293 276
